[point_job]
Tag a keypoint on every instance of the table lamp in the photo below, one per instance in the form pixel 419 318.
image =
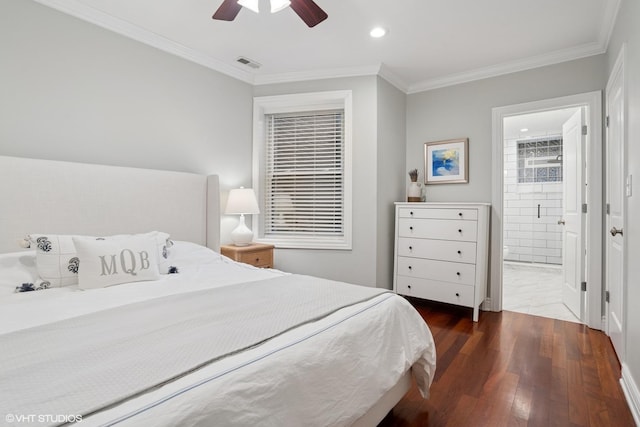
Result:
pixel 242 201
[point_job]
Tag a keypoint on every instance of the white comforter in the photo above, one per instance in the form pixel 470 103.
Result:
pixel 325 373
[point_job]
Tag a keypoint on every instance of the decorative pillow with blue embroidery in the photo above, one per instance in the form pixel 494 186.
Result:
pixel 59 264
pixel 28 287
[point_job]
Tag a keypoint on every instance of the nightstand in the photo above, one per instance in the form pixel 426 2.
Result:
pixel 256 254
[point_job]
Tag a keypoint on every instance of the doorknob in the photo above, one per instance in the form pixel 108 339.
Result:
pixel 615 231
pixel 561 222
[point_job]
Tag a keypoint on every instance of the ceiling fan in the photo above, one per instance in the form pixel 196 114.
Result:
pixel 307 10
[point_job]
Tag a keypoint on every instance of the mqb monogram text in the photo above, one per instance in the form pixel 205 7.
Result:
pixel 130 262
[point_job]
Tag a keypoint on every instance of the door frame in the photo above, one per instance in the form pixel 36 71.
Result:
pixel 595 211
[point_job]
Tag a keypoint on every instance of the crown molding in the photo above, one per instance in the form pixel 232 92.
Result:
pixel 393 78
pixel 109 22
pixel 330 73
pixel 552 58
pixel 79 10
pixel 609 22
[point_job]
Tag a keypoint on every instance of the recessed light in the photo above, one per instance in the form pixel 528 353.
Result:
pixel 377 32
pixel 524 130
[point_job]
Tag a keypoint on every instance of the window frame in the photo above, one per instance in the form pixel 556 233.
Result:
pixel 297 103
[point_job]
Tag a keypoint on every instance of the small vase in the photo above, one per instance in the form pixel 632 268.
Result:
pixel 414 194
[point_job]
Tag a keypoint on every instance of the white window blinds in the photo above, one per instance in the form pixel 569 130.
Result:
pixel 304 175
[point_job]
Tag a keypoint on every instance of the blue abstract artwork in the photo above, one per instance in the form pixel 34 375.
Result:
pixel 445 162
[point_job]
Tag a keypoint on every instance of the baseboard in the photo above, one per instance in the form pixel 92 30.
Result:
pixel 631 392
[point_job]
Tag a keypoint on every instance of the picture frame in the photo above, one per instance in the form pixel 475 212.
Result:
pixel 446 162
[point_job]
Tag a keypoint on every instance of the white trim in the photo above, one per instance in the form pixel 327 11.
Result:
pixel 392 78
pixel 593 101
pixel 127 29
pixel 332 73
pixel 551 58
pixel 631 393
pixel 609 21
pixel 305 102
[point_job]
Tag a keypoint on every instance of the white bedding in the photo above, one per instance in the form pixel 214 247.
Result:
pixel 323 373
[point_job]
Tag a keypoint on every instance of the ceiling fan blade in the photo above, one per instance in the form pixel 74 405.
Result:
pixel 309 12
pixel 227 11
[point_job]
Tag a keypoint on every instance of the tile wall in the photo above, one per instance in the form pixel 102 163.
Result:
pixel 531 214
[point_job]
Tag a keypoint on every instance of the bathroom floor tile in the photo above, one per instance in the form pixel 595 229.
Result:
pixel 534 289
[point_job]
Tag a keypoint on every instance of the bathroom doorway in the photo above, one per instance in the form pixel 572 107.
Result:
pixel 535 176
pixel 583 211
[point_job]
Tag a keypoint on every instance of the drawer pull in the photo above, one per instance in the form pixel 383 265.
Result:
pixel 410 267
pixel 460 214
pixel 459 230
pixel 257 259
pixel 457 294
pixel 409 286
pixel 458 273
pixel 411 213
pixel 411 228
pixel 410 248
pixel 459 252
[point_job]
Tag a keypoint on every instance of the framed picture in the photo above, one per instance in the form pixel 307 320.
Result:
pixel 446 162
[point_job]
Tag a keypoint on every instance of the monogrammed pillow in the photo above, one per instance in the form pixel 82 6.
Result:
pixel 58 263
pixel 106 262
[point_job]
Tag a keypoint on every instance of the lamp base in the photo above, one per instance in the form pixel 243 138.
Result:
pixel 242 235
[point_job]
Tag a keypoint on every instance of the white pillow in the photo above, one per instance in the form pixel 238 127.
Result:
pixel 106 262
pixel 57 260
pixel 18 269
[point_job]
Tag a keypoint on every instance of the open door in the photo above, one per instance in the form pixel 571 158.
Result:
pixel 615 212
pixel 573 254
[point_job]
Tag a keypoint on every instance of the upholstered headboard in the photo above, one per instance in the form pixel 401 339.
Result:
pixel 44 196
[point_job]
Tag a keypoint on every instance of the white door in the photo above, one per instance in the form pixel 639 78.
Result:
pixel 573 255
pixel 615 217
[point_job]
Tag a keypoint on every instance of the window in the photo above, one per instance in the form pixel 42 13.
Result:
pixel 302 170
pixel 540 160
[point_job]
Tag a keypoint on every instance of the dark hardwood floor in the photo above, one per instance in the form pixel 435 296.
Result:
pixel 513 369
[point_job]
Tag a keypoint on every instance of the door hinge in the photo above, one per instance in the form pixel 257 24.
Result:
pixel 584 129
pixel 606 296
pixel 608 208
pixel 583 286
pixel 584 208
pixel 606 121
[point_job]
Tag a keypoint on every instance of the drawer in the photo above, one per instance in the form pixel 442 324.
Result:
pixel 444 250
pixel 441 229
pixel 453 272
pixel 261 258
pixel 435 290
pixel 439 213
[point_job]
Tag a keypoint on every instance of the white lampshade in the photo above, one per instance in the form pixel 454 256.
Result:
pixel 242 201
pixel 250 4
pixel 278 5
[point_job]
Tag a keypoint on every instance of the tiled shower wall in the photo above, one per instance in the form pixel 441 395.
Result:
pixel 530 238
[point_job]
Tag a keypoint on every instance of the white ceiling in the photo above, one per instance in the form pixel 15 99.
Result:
pixel 544 123
pixel 429 43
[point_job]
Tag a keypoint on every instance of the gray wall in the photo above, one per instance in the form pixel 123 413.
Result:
pixel 391 182
pixel 627 30
pixel 357 265
pixel 465 111
pixel 70 90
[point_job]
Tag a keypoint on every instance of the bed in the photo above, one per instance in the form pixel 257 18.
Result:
pixel 213 343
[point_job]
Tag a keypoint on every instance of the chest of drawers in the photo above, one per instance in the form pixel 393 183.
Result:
pixel 441 252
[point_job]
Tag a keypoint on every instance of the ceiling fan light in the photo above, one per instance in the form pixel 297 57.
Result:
pixel 250 4
pixel 278 5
